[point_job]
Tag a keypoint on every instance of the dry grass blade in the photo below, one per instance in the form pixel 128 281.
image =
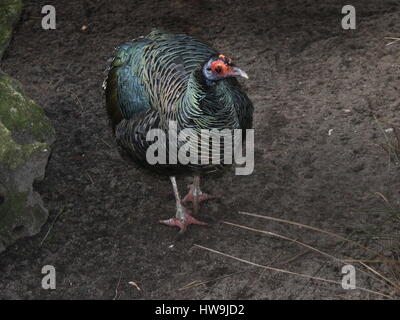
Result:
pixel 51 227
pixel 197 283
pixel 380 275
pixel 379 194
pixel 394 40
pixel 392 147
pixel 385 259
pixel 284 238
pixel 289 272
pixel 192 284
pixel 363 260
pixel 116 288
pixel 391 210
pixel 343 261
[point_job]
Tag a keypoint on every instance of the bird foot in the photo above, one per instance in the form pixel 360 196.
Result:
pixel 182 223
pixel 201 196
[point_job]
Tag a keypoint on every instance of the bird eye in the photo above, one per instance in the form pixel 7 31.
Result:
pixel 218 69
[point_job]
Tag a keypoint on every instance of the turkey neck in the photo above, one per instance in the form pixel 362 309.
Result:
pixel 207 104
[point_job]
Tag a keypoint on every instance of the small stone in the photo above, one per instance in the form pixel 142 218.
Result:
pixel 113 182
pixel 358 167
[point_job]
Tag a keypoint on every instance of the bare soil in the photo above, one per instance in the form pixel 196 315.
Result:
pixel 316 89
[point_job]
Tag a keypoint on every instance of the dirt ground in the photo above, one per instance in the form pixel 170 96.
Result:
pixel 316 89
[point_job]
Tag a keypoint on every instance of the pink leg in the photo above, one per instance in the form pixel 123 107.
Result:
pixel 196 196
pixel 183 216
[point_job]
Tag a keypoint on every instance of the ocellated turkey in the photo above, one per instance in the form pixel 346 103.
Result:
pixel 163 77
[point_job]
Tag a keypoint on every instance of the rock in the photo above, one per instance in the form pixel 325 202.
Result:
pixel 26 135
pixel 10 11
pixel 25 139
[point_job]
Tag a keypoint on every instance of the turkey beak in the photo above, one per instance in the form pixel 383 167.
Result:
pixel 239 72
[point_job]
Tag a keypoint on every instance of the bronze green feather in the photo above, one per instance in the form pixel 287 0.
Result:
pixel 158 78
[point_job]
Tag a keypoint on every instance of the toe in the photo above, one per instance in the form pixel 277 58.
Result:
pixel 182 224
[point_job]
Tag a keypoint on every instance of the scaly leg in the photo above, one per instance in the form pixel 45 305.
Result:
pixel 196 196
pixel 183 216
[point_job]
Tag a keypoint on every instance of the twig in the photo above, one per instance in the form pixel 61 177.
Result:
pixel 134 284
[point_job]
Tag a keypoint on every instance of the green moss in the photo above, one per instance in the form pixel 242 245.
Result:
pixel 10 11
pixel 13 155
pixel 18 113
pixel 14 204
pixel 5 36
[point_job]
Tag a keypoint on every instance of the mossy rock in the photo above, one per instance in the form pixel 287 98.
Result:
pixel 10 11
pixel 26 135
